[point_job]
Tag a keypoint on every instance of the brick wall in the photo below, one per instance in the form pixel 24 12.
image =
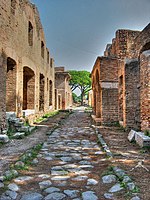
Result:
pixel 62 85
pixel 21 36
pixel 109 105
pixel 108 69
pixel 132 94
pixel 145 89
pixel 2 91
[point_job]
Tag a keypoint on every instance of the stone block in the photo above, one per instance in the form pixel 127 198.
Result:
pixel 23 129
pixel 131 135
pixel 19 124
pixel 10 115
pixel 32 128
pixel 4 138
pixel 142 140
pixel 19 135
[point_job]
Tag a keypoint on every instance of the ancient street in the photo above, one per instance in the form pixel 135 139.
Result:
pixel 71 164
pixel 68 165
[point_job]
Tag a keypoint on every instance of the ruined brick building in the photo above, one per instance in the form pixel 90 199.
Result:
pixel 121 81
pixel 63 98
pixel 27 75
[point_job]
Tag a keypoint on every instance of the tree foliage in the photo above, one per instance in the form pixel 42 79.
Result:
pixel 80 80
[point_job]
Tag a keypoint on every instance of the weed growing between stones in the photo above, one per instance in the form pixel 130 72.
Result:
pixel 48 115
pixel 124 180
pixel 109 171
pixel 26 159
pixel 147 133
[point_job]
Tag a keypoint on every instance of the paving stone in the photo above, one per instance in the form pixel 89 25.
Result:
pixel 2 178
pixel 85 162
pixel 109 178
pixel 66 159
pixel 11 172
pixel 131 186
pixel 60 178
pixel 86 166
pixel 57 168
pixel 82 172
pixel 126 179
pixel 4 138
pixel 70 166
pixel 45 184
pixel 116 188
pixel 5 197
pixel 98 153
pixel 63 172
pixel 22 179
pixel 108 196
pixel 51 190
pixel 19 135
pixel 1 185
pixel 71 193
pixel 44 176
pixel 80 178
pixel 119 172
pixel 55 196
pixel 13 187
pixel 136 198
pixel 11 194
pixel 86 158
pixel 48 158
pixel 89 195
pixel 33 196
pixel 61 183
pixel 92 182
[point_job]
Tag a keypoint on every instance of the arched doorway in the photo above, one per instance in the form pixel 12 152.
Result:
pixel 28 88
pixel 11 85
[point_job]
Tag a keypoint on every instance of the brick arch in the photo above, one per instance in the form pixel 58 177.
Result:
pixel 11 75
pixel 145 47
pixel 28 88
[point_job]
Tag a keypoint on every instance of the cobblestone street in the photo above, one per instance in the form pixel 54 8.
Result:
pixel 68 165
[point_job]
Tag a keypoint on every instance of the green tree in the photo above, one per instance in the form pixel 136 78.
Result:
pixel 80 80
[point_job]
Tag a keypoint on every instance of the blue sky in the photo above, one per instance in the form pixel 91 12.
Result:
pixel 77 31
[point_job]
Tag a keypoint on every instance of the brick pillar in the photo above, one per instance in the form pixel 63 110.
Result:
pixel 145 89
pixel 3 63
pixel 98 103
pixel 132 94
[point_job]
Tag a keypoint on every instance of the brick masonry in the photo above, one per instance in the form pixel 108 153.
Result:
pixel 105 89
pixel 27 75
pixel 63 89
pixel 131 49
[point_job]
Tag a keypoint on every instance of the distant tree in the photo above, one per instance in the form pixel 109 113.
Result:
pixel 80 80
pixel 76 99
